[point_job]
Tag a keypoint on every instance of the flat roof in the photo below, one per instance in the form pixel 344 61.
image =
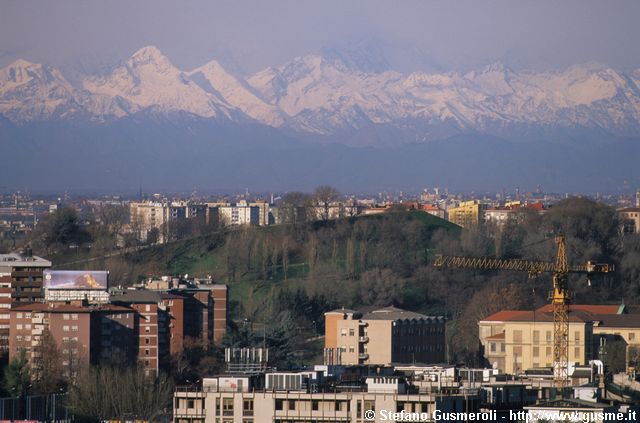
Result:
pixel 20 260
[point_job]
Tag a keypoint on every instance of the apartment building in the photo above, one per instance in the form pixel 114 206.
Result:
pixel 385 336
pixel 82 334
pixel 630 220
pixel 24 272
pixel 20 282
pixel 526 341
pixel 467 214
pixel 234 398
pixel 511 212
pixel 153 346
pixel 516 340
pixel 205 311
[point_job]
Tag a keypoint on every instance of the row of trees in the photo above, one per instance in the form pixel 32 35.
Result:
pixel 385 260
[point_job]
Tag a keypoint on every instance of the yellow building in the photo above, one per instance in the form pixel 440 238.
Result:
pixel 385 336
pixel 517 340
pixel 526 340
pixel 467 214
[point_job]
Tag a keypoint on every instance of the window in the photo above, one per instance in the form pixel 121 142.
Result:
pixel 352 332
pixel 65 316
pixel 536 336
pixel 352 349
pixel 74 328
pixel 74 316
pixel 314 405
pixel 577 336
pixel 517 336
pixel 278 404
pixel 146 351
pixel 343 332
pixel 501 347
pixel 548 352
pixel 536 351
pixel 146 341
pixel 247 407
pixel 576 352
pixel 548 336
pixel 65 328
pixel 190 403
pixel 147 329
pixel 493 347
pixel 227 406
pixel 292 405
pixel 147 307
pixel 632 336
pixel 370 405
pixel 19 327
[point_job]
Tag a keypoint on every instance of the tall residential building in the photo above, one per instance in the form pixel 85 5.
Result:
pixel 152 331
pixel 82 334
pixel 467 214
pixel 20 282
pixel 147 216
pixel 385 336
pixel 24 271
pixel 206 311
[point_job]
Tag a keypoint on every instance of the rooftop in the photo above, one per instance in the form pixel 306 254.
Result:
pixel 393 313
pixel 504 316
pixel 591 308
pixel 66 308
pixel 21 260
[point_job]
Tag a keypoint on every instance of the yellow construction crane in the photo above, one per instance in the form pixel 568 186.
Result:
pixel 559 297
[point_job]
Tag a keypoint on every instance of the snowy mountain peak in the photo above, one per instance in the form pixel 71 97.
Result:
pixel 334 93
pixel 151 56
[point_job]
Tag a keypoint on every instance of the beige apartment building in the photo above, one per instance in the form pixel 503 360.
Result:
pixel 385 336
pixel 239 403
pixel 517 340
pixel 630 220
pixel 525 340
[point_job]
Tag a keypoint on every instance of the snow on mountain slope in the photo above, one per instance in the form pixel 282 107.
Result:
pixel 148 79
pixel 324 95
pixel 30 91
pixel 215 80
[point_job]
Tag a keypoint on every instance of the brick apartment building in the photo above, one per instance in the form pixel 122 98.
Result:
pixel 83 334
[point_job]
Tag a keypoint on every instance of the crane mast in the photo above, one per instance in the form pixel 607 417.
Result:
pixel 559 296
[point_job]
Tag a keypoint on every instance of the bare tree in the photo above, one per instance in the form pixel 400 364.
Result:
pixel 323 196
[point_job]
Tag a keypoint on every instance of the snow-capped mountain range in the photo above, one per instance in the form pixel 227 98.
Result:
pixel 324 96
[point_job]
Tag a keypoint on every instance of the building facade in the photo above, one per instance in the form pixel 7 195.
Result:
pixel 385 336
pixel 467 214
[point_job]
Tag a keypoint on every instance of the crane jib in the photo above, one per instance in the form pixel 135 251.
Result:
pixel 531 266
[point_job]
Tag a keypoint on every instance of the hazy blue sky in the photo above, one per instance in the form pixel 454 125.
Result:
pixel 250 35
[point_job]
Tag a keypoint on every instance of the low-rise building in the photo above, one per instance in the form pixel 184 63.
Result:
pixel 516 340
pixel 630 220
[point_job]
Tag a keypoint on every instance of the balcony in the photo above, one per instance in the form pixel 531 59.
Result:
pixel 363 356
pixel 363 339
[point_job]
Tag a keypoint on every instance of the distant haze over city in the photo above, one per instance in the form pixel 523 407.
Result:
pixel 224 96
